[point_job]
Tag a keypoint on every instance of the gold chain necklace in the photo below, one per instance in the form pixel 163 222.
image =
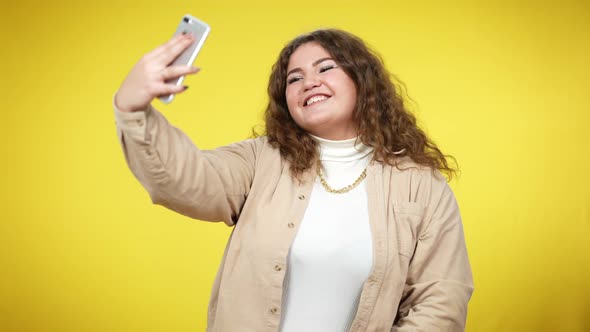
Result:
pixel 341 190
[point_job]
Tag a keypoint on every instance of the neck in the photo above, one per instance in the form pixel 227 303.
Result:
pixel 342 150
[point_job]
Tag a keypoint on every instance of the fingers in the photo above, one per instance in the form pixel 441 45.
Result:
pixel 169 89
pixel 172 72
pixel 172 51
pixel 167 45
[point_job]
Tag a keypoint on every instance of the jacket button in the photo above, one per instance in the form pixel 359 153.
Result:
pixel 278 268
pixel 290 225
pixel 301 197
pixel 274 310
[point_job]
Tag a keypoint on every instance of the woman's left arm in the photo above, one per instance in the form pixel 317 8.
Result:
pixel 439 282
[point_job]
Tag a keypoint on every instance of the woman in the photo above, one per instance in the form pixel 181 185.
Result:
pixel 342 220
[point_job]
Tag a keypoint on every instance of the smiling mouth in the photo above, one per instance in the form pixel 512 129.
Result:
pixel 315 100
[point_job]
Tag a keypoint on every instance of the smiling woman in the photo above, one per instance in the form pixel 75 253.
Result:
pixel 320 95
pixel 342 220
pixel 368 107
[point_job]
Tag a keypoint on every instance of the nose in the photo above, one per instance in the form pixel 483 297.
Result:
pixel 311 81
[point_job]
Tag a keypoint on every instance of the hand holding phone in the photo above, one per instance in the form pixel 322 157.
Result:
pixel 199 30
pixel 160 73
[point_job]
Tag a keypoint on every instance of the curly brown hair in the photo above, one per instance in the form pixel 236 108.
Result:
pixel 381 118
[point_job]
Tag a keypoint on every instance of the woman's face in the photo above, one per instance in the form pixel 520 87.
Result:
pixel 320 95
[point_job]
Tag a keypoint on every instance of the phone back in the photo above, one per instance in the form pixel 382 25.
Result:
pixel 200 31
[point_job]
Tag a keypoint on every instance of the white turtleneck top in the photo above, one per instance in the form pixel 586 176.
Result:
pixel 332 253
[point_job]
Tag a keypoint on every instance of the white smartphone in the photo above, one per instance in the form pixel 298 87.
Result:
pixel 200 31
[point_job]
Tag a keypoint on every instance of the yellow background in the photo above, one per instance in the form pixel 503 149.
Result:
pixel 503 87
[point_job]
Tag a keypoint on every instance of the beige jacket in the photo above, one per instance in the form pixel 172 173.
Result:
pixel 421 278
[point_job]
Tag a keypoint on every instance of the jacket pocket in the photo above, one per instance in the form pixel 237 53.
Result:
pixel 407 219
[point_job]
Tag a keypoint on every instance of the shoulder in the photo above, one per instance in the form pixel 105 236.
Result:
pixel 410 182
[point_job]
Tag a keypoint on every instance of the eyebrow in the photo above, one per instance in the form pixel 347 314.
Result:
pixel 315 63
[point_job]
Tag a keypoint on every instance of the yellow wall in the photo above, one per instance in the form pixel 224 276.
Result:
pixel 502 87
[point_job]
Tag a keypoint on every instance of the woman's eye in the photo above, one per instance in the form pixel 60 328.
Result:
pixel 326 68
pixel 293 80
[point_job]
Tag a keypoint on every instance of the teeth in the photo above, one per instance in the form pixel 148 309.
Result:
pixel 315 100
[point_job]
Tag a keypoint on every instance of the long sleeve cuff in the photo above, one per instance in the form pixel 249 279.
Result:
pixel 133 124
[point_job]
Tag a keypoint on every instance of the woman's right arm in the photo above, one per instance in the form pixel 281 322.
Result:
pixel 206 185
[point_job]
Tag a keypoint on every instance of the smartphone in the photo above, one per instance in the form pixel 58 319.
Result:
pixel 200 31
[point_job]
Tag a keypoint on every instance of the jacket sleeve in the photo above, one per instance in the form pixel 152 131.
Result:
pixel 439 282
pixel 206 185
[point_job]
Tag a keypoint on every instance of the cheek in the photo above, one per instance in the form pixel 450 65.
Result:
pixel 352 95
pixel 291 97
